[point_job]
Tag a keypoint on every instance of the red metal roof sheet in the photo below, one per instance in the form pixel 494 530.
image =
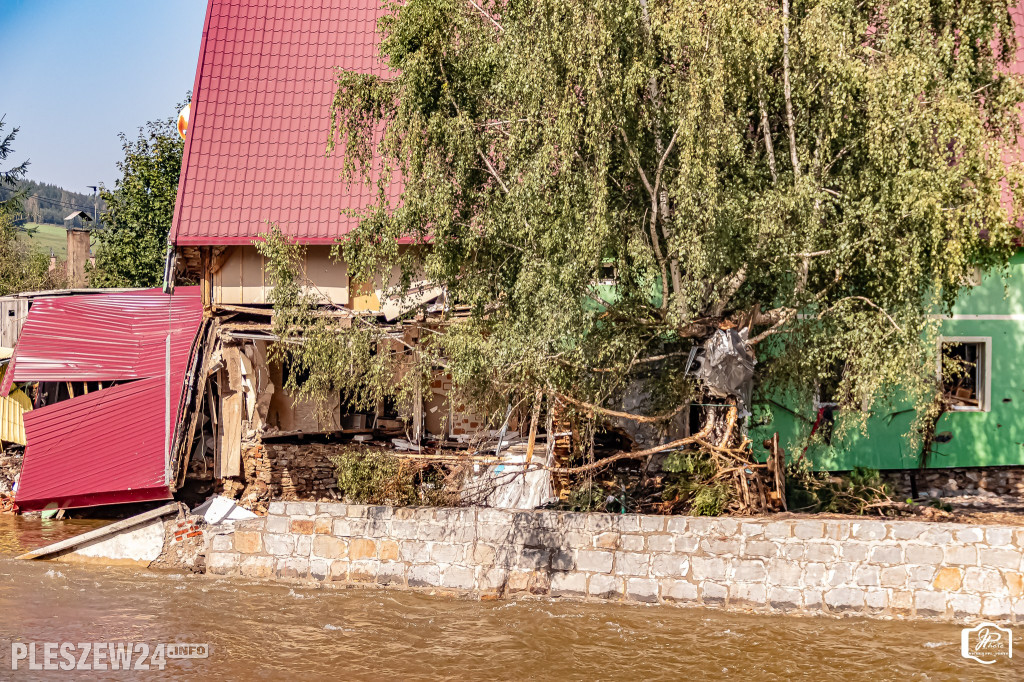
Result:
pixel 107 446
pixel 260 121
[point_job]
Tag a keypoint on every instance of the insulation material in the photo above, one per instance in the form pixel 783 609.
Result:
pixel 12 416
pixel 510 485
pixel 727 368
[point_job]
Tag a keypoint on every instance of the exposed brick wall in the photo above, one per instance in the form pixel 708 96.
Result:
pixel 876 568
pixel 294 471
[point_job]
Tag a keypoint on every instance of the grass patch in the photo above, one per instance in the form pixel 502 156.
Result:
pixel 44 237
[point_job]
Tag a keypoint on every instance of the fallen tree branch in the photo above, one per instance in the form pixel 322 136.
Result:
pixel 644 419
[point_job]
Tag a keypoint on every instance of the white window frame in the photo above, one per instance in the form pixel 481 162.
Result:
pixel 985 392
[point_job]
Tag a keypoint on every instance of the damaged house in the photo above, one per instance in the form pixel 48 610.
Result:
pixel 254 156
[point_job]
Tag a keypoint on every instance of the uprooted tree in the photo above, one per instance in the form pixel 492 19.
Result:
pixel 825 175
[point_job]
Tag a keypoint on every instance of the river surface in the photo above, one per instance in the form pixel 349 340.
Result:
pixel 280 632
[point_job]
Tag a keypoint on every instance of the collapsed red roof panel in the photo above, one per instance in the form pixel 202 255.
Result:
pixel 260 121
pixel 107 446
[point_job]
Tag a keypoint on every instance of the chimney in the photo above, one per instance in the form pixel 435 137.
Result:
pixel 78 254
pixel 53 261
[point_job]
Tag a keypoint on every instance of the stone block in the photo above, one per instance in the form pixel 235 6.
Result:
pixel 303 545
pixel 837 530
pixel 458 578
pixel 677 525
pixel 424 575
pixel 364 571
pixel 883 554
pixel 985 581
pixel 414 551
pixel 965 605
pixel 652 523
pixel 607 540
pixel 893 577
pixel 752 530
pixel 388 550
pixel 391 573
pixel 569 585
pixel 627 523
pixel 339 571
pixel 704 568
pixel 809 530
pixel 280 545
pixel 969 535
pixel 276 508
pixel 876 601
pixel 1014 583
pixel 760 548
pixel 631 543
pixel 702 526
pixel 446 553
pixel 929 603
pixel 642 590
pixel 329 547
pixel 594 561
pixel 322 525
pixel 301 526
pixel 686 543
pixel 360 548
pixel 839 574
pixel 294 568
pixel 782 573
pixel 906 530
pixel 432 532
pixel 778 530
pixel 257 566
pixel 563 560
pixel 518 581
pixel 721 546
pixel 300 508
pixel 901 602
pixel 670 565
pixel 631 563
pixel 961 555
pixel 750 594
pixel 381 513
pixel 660 542
pixel 999 537
pixel 494 533
pixel 277 524
pixel 867 576
pixel 319 569
pixel 784 598
pixel 605 586
pixel 540 583
pixel 223 563
pixel 826 551
pixel 347 528
pixel 498 517
pixel 492 580
pixel 995 557
pixel 923 554
pixel 867 530
pixel 221 543
pixel 812 599
pixel 997 608
pixel 936 535
pixel 483 554
pixel 712 593
pixel 534 558
pixel 332 508
pixel 356 511
pixel 679 591
pixel 921 577
pixel 841 599
pixel 747 570
pixel 794 551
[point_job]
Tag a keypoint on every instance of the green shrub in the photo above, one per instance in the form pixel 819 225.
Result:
pixel 370 476
pixel 689 485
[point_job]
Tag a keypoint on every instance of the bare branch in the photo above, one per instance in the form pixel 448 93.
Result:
pixel 596 409
pixel 766 127
pixel 490 169
pixel 787 89
pixel 488 16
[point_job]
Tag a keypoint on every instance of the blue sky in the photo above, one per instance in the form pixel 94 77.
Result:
pixel 76 73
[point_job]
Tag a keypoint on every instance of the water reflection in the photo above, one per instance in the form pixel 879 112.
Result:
pixel 267 631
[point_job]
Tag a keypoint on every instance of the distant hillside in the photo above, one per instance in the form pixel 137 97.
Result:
pixel 48 204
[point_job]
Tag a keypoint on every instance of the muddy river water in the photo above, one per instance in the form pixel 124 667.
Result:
pixel 266 631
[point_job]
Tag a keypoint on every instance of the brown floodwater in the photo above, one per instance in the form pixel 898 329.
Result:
pixel 267 631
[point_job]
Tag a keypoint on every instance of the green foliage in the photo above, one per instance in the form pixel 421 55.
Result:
pixel 23 268
pixel 331 354
pixel 369 476
pixel 140 207
pixel 853 493
pixel 10 178
pixel 851 172
pixel 689 485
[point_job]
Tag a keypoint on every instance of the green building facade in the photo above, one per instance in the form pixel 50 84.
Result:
pixel 986 424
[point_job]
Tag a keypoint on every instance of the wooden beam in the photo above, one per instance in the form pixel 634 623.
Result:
pixel 100 533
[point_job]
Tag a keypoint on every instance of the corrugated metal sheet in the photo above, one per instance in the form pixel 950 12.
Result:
pixel 106 446
pixel 260 121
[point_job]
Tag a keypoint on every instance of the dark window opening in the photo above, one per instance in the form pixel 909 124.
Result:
pixel 962 373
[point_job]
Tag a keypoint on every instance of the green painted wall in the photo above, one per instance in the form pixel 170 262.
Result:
pixel 993 309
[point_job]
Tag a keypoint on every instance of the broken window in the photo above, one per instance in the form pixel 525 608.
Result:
pixel 963 370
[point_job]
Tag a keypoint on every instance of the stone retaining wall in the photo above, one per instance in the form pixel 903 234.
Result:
pixel 993 481
pixel 873 568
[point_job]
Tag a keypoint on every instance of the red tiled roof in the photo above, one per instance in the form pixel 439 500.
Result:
pixel 260 120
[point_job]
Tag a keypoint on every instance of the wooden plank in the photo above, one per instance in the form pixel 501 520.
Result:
pixel 99 533
pixel 231 435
